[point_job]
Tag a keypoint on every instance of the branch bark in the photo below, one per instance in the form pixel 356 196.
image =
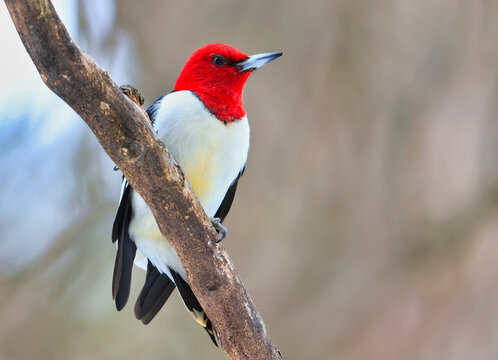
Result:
pixel 126 135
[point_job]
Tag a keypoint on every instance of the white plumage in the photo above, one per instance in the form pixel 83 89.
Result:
pixel 211 155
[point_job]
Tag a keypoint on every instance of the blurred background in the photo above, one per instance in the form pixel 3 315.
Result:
pixel 365 226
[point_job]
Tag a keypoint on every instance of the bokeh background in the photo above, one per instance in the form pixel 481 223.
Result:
pixel 365 226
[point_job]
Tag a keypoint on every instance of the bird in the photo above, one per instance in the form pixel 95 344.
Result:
pixel 204 125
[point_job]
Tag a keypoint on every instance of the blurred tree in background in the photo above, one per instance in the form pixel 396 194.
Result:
pixel 366 223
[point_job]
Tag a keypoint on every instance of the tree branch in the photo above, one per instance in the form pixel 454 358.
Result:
pixel 126 135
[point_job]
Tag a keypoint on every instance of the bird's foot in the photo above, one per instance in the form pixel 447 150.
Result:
pixel 135 96
pixel 132 92
pixel 220 229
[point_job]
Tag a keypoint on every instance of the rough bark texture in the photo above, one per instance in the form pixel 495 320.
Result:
pixel 125 134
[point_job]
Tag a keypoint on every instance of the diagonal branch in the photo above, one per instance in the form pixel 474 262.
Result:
pixel 125 134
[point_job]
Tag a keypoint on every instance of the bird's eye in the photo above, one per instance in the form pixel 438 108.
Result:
pixel 219 60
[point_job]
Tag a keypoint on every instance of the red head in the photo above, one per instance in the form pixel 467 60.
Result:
pixel 216 73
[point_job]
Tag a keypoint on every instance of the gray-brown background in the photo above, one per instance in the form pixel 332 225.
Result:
pixel 365 226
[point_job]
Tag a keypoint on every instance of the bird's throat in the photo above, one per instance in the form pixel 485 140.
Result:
pixel 226 106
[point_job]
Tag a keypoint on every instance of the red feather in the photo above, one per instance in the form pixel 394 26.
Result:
pixel 218 87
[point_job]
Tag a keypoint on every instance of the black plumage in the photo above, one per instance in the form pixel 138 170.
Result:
pixel 154 108
pixel 156 290
pixel 125 254
pixel 192 304
pixel 226 204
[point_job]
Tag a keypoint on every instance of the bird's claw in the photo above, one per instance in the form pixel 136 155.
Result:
pixel 132 92
pixel 135 96
pixel 220 229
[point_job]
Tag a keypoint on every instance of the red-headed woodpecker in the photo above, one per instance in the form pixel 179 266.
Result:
pixel 204 125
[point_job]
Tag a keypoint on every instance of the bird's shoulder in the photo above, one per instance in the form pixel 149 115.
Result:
pixel 180 103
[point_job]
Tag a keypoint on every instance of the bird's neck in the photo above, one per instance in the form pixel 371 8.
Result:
pixel 221 97
pixel 227 107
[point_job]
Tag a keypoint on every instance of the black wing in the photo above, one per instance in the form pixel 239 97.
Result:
pixel 157 287
pixel 125 254
pixel 226 204
pixel 124 206
pixel 154 108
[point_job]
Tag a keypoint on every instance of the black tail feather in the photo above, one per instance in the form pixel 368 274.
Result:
pixel 193 304
pixel 122 272
pixel 157 289
pixel 210 331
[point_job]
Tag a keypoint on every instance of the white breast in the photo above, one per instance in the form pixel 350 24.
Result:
pixel 211 155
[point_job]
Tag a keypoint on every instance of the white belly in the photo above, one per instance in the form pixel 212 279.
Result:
pixel 211 155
